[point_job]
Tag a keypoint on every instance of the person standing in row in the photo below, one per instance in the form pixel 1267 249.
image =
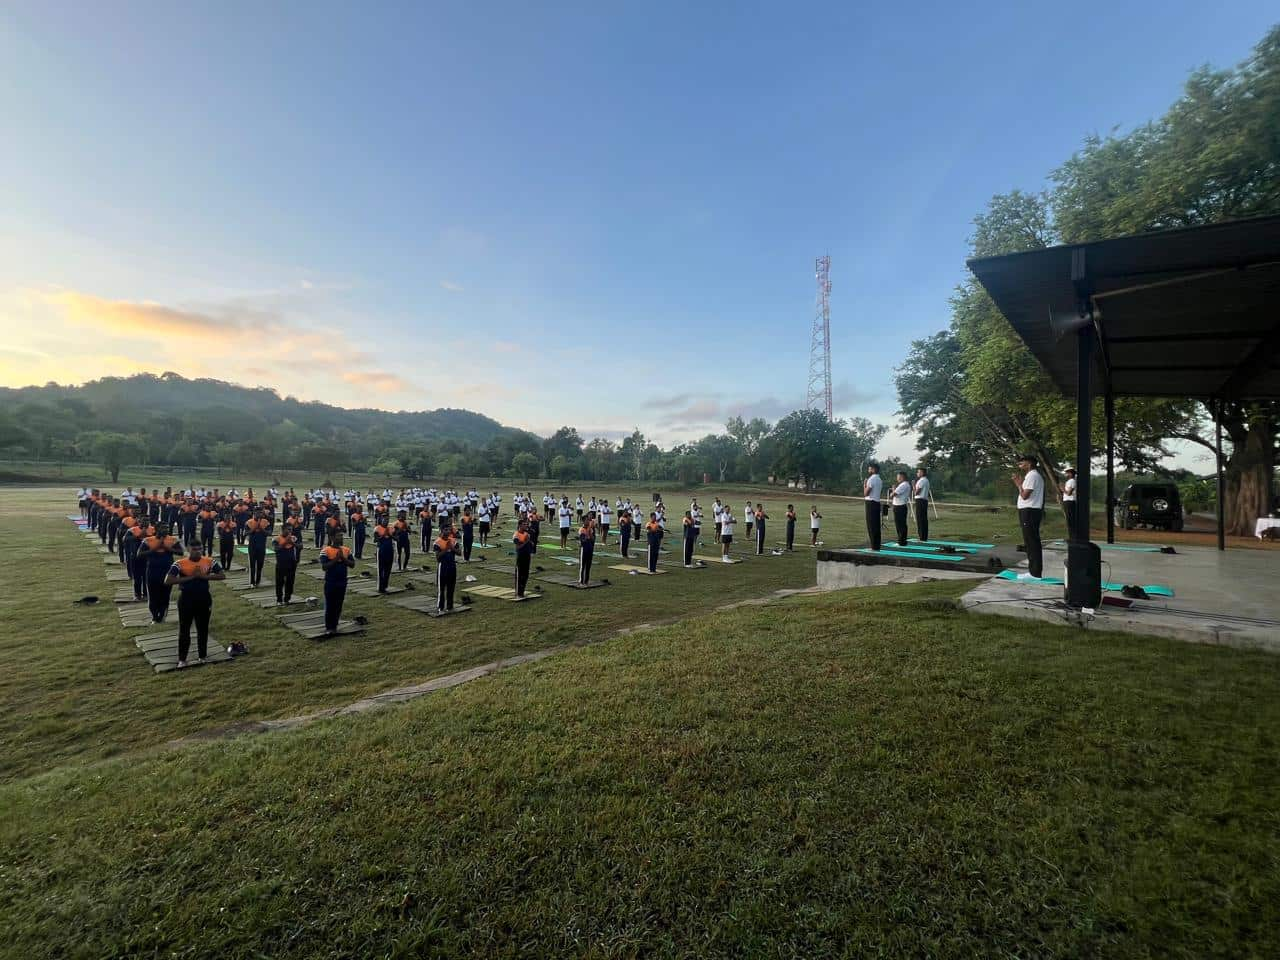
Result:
pixel 726 532
pixel 257 532
pixel 1069 502
pixel 871 488
pixel 791 527
pixel 524 555
pixel 920 494
pixel 761 517
pixel 226 541
pixel 287 548
pixel 748 517
pixel 654 531
pixel 208 523
pixel 468 533
pixel 191 575
pixel 815 525
pixel 604 518
pixel 586 548
pixel 335 561
pixel 624 532
pixel 385 548
pixel 901 505
pixel 446 551
pixel 1030 486
pixel 157 555
pixel 566 520
pixel 359 530
pixel 400 531
pixel 690 537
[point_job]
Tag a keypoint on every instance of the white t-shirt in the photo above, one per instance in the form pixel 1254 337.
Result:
pixel 814 521
pixel 565 518
pixel 901 494
pixel 718 511
pixel 1035 483
pixel 1069 490
pixel 873 487
pixel 922 488
pixel 726 524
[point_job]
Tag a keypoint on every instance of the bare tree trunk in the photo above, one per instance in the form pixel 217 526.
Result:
pixel 1249 469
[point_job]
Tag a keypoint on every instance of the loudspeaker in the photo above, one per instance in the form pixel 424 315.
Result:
pixel 1062 322
pixel 1082 575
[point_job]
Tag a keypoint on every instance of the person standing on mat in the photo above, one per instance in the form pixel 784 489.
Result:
pixel 468 533
pixel 624 532
pixel 690 537
pixel 815 525
pixel 335 561
pixel 901 504
pixel 761 517
pixel 424 527
pixel 257 534
pixel 1069 502
pixel 871 488
pixel 653 530
pixel 749 517
pixel 287 548
pixel 192 574
pixel 385 548
pixel 318 516
pixel 920 494
pixel 359 530
pixel 604 517
pixel 446 551
pixel 226 530
pixel 400 531
pixel 791 527
pixel 1030 486
pixel 586 547
pixel 524 555
pixel 157 554
pixel 566 521
pixel 726 532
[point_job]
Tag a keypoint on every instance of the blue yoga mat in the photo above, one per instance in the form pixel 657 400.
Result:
pixel 930 547
pixel 1154 589
pixel 954 543
pixel 949 558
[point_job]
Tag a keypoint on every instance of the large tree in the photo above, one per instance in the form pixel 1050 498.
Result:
pixel 809 447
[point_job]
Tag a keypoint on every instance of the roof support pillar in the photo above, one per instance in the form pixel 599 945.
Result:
pixel 1217 459
pixel 1084 431
pixel 1110 406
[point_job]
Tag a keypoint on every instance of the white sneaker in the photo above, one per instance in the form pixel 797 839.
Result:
pixel 688 566
pixel 182 664
pixel 725 560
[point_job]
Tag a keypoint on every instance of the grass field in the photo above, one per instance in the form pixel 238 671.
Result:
pixel 871 772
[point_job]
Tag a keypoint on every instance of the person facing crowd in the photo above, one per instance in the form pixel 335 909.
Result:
pixel 921 494
pixel 1030 503
pixel 901 500
pixel 871 488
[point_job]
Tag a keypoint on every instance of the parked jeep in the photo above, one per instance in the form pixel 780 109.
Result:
pixel 1152 503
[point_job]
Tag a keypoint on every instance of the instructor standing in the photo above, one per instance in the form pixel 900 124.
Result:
pixel 871 488
pixel 921 493
pixel 1030 487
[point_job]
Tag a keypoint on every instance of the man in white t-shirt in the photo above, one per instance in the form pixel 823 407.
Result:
pixel 871 488
pixel 1069 502
pixel 901 501
pixel 726 531
pixel 1030 510
pixel 921 493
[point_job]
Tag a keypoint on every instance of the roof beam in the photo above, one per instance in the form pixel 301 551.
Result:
pixel 1260 359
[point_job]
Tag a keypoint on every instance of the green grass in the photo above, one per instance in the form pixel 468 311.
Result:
pixel 76 689
pixel 868 773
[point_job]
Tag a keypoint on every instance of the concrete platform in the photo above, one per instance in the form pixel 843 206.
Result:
pixel 1227 598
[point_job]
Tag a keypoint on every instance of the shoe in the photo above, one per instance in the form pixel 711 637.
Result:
pixel 182 664
pixel 725 560
pixel 688 566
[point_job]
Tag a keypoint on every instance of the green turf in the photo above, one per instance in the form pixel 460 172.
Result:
pixel 869 773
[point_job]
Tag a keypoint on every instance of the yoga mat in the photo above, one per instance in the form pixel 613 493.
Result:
pixel 1154 589
pixel 914 555
pixel 498 593
pixel 643 571
pixel 953 543
pixel 1112 546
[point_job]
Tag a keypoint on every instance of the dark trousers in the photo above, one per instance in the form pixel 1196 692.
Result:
pixel 604 533
pixel 206 544
pixel 626 538
pixel 759 536
pixel 226 552
pixel 900 523
pixel 285 574
pixel 194 609
pixel 467 540
pixel 1029 520
pixel 522 572
pixel 791 534
pixel 689 540
pixel 922 519
pixel 257 557
pixel 139 578
pixel 111 536
pixel 402 553
pixel 1069 508
pixel 424 542
pixel 158 596
pixel 334 596
pixel 873 523
pixel 385 559
pixel 446 581
pixel 653 557
pixel 360 536
pixel 319 536
pixel 585 556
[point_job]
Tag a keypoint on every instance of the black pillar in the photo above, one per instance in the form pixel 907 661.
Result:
pixel 1217 458
pixel 1084 432
pixel 1110 406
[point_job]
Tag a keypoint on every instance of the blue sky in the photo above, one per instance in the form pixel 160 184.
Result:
pixel 597 214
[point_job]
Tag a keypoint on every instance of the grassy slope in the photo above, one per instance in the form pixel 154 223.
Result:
pixel 76 689
pixel 860 772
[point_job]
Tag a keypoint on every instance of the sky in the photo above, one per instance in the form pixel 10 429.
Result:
pixel 601 215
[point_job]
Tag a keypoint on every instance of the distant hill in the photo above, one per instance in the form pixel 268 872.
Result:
pixel 178 420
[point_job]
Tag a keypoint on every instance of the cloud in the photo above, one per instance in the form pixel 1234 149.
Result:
pixel 148 319
pixel 677 400
pixel 382 381
pixel 451 286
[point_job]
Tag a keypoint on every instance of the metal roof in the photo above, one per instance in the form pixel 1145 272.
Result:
pixel 1193 312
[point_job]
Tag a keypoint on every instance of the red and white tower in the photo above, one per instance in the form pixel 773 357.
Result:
pixel 818 396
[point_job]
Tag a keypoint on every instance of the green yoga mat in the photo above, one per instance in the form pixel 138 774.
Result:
pixel 952 543
pixel 1153 589
pixel 1113 546
pixel 949 558
pixel 938 548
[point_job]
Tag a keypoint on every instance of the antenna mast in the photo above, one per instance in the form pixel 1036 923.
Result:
pixel 818 395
